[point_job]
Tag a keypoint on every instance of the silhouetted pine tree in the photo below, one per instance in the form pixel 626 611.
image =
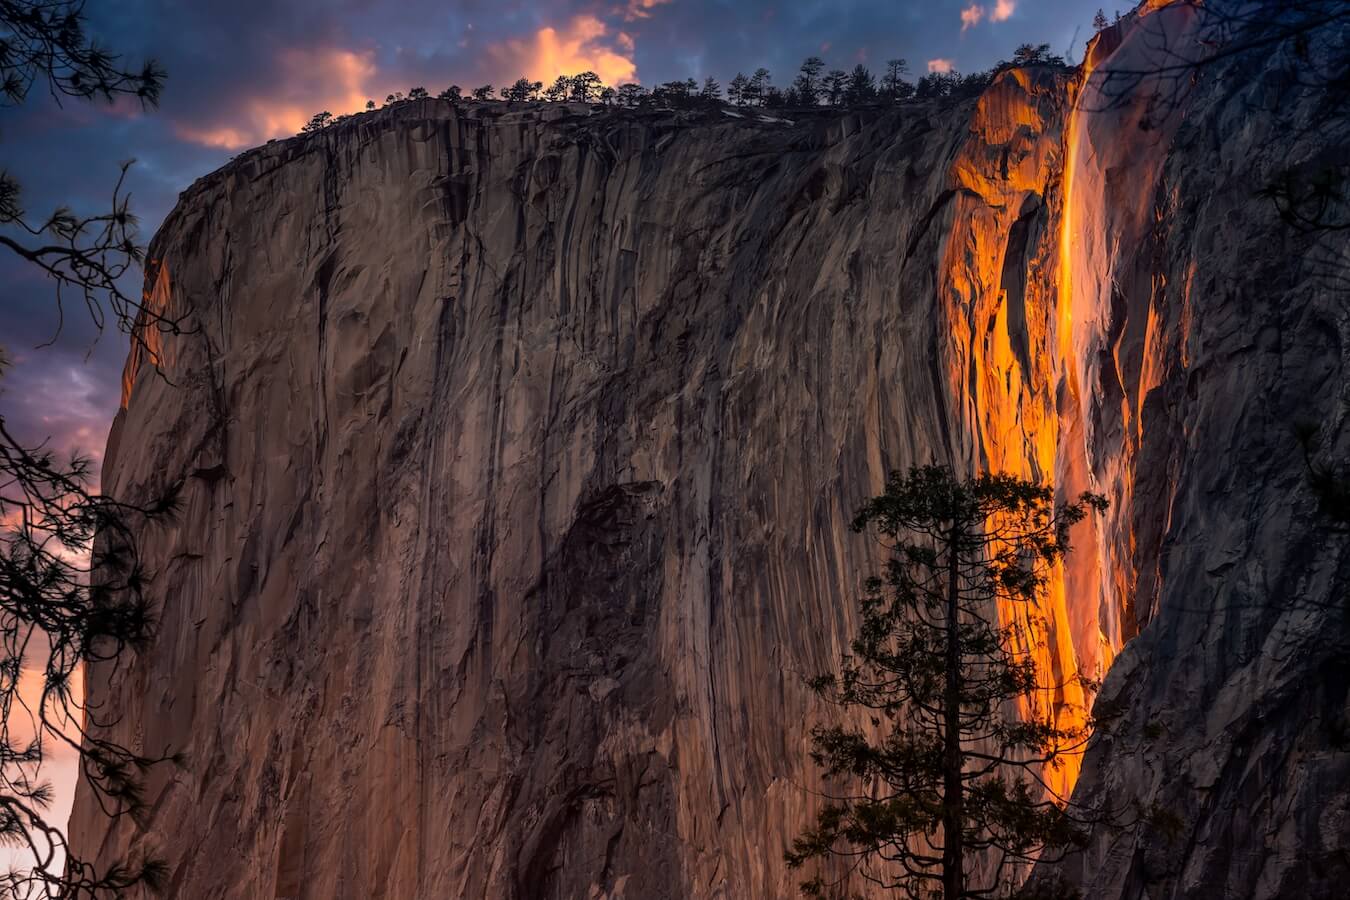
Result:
pixel 834 86
pixel 860 87
pixel 757 91
pixel 948 773
pixel 736 89
pixel 893 84
pixel 807 85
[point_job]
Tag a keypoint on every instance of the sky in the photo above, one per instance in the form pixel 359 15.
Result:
pixel 244 71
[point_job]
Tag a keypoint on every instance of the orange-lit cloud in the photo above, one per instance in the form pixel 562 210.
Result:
pixel 584 44
pixel 976 13
pixel 940 65
pixel 307 81
pixel 641 9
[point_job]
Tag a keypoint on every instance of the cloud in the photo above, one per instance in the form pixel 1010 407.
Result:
pixel 940 65
pixel 584 44
pixel 306 80
pixel 78 423
pixel 975 13
pixel 641 9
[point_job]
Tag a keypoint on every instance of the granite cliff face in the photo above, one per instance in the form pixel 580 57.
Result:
pixel 1218 329
pixel 519 444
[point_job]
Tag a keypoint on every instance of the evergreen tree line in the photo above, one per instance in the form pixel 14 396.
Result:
pixel 813 86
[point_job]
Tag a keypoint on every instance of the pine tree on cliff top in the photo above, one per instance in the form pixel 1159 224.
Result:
pixel 944 795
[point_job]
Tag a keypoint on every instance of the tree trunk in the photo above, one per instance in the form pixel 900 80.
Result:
pixel 953 861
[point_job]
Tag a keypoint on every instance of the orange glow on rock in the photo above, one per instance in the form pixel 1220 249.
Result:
pixel 1106 346
pixel 148 344
pixel 1001 308
pixel 1035 343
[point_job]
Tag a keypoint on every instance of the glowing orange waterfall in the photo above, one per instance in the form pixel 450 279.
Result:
pixel 148 344
pixel 1104 318
pixel 1008 358
pixel 1050 333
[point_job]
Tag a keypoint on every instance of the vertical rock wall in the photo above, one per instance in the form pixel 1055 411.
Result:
pixel 519 445
pixel 1205 329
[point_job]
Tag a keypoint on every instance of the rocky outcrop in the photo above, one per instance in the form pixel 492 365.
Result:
pixel 519 443
pixel 519 446
pixel 1215 329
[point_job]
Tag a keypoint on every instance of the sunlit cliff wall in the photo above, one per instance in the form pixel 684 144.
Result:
pixel 519 445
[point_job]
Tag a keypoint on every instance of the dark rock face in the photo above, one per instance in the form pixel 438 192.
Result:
pixel 598 652
pixel 520 444
pixel 1228 327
